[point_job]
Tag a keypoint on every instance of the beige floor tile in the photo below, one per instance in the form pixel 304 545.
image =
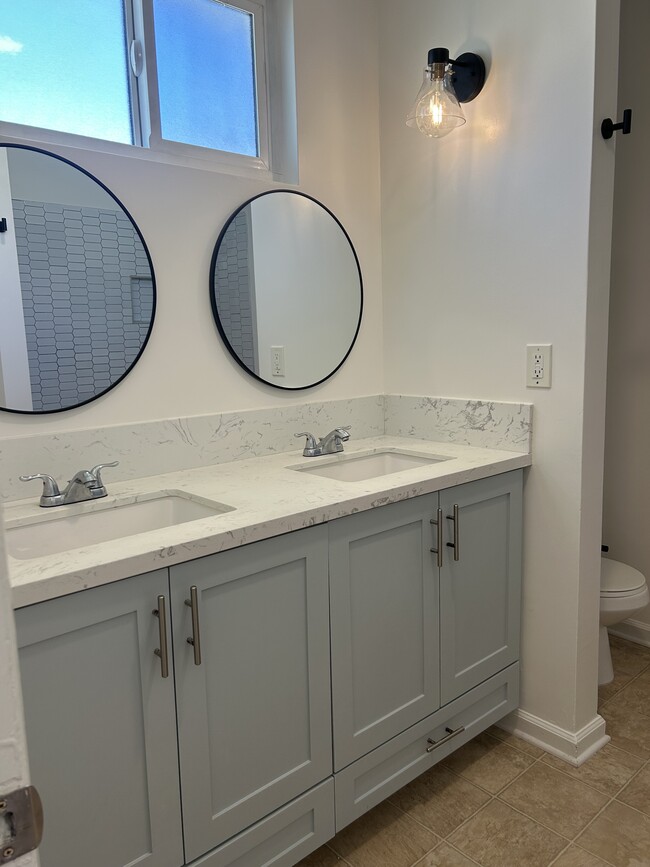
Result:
pixel 575 857
pixel 385 837
pixel 637 793
pixel 608 771
pixel 620 835
pixel 440 800
pixel 608 690
pixel 562 804
pixel 323 857
pixel 445 855
pixel 635 697
pixel 488 763
pixel 501 837
pixel 628 731
pixel 514 741
pixel 627 657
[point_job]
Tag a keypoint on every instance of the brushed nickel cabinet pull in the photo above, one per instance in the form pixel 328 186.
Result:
pixel 195 640
pixel 456 543
pixel 163 650
pixel 451 733
pixel 438 523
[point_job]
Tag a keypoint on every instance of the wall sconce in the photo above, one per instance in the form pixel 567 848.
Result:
pixel 447 83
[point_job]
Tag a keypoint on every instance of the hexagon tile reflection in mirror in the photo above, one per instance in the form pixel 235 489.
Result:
pixel 286 289
pixel 78 289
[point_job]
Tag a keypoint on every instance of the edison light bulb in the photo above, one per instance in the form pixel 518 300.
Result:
pixel 436 111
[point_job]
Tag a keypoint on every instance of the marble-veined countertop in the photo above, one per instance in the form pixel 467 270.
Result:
pixel 266 497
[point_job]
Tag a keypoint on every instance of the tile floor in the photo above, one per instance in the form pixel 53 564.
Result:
pixel 501 802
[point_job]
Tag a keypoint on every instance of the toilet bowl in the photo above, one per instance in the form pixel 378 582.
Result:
pixel 623 590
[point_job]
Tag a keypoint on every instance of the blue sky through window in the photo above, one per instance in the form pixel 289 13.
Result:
pixel 206 75
pixel 63 66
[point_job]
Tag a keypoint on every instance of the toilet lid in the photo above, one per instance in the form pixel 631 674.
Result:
pixel 618 577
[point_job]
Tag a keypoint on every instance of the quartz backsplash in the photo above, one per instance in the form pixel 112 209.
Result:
pixel 167 445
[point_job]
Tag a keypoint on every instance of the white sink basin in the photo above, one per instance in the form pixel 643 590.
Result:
pixel 357 468
pixel 64 528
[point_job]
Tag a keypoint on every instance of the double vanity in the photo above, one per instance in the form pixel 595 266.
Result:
pixel 227 665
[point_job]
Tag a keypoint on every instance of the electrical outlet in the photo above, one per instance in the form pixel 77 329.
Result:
pixel 539 365
pixel 277 361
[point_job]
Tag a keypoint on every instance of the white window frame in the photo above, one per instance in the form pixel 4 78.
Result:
pixel 148 141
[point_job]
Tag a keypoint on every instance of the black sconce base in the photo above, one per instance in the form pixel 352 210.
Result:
pixel 468 76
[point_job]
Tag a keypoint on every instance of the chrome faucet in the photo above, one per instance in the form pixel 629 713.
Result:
pixel 330 444
pixel 84 485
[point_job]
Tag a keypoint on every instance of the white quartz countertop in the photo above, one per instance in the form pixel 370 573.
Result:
pixel 266 496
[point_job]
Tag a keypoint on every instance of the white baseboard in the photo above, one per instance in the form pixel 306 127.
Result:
pixel 574 747
pixel 633 630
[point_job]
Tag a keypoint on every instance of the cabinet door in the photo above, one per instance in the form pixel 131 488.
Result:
pixel 254 718
pixel 384 614
pixel 101 727
pixel 480 592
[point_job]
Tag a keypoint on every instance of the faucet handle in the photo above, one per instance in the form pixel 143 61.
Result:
pixel 311 439
pixel 96 472
pixel 50 487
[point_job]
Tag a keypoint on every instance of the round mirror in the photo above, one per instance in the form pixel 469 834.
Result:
pixel 78 291
pixel 286 290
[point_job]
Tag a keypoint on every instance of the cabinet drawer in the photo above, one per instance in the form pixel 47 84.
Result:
pixel 282 838
pixel 374 777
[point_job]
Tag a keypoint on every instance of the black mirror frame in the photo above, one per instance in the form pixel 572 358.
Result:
pixel 153 282
pixel 213 300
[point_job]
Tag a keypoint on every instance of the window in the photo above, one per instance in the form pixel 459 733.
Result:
pixel 43 49
pixel 184 77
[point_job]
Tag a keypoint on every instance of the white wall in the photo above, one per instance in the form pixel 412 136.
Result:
pixel 43 179
pixel 486 249
pixel 627 468
pixel 185 369
pixel 307 295
pixel 15 387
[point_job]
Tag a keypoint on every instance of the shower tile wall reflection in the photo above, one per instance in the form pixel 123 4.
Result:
pixel 234 273
pixel 87 298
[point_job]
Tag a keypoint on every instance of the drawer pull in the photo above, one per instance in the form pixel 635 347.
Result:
pixel 163 650
pixel 438 551
pixel 456 543
pixel 451 733
pixel 195 640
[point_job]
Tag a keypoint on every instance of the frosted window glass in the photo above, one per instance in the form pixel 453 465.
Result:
pixel 63 66
pixel 206 75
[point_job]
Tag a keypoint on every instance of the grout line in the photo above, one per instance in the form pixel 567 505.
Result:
pixel 420 863
pixel 625 686
pixel 560 854
pixel 591 785
pixel 601 811
pixel 536 821
pixel 430 830
pixel 340 857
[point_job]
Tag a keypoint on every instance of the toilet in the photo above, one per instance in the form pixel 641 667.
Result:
pixel 623 591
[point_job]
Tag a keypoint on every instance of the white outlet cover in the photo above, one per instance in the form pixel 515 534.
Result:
pixel 539 365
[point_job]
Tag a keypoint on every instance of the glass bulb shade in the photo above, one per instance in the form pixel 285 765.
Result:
pixel 436 111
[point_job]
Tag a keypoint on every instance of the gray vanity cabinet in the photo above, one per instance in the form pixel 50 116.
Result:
pixel 480 591
pixel 409 637
pixel 254 719
pixel 420 658
pixel 384 616
pixel 101 727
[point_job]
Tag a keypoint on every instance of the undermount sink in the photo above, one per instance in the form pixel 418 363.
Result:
pixel 357 468
pixel 59 530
